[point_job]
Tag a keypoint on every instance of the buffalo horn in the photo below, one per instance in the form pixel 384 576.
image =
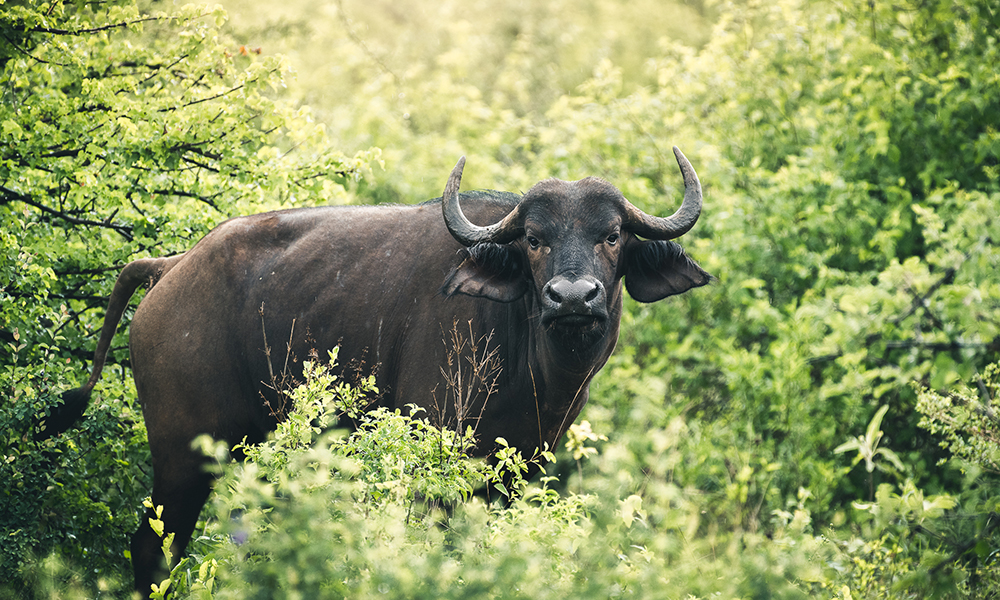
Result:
pixel 677 224
pixel 463 230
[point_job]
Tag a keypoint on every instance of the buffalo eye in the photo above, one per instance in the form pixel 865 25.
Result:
pixel 533 242
pixel 613 239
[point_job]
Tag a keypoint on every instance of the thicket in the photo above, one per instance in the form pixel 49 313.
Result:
pixel 822 420
pixel 124 132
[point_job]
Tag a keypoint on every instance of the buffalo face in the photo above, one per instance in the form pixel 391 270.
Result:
pixel 569 245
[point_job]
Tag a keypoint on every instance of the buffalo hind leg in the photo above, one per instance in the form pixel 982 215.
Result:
pixel 182 499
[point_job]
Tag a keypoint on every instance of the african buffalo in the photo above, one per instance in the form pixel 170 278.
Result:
pixel 385 283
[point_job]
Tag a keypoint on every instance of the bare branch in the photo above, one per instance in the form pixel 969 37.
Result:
pixel 200 100
pixel 351 33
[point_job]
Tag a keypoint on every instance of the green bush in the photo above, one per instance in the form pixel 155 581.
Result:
pixel 319 513
pixel 324 514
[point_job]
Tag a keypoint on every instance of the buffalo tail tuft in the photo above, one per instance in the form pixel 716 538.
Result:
pixel 63 416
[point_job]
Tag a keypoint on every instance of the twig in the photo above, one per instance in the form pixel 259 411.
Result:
pixel 279 385
pixel 920 301
pixel 351 33
pixel 206 99
pixel 30 55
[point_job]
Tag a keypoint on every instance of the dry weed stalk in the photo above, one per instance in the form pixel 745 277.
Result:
pixel 470 372
pixel 283 382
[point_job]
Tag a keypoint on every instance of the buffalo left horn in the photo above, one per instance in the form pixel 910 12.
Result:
pixel 679 223
pixel 463 230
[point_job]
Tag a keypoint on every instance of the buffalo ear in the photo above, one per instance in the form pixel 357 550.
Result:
pixel 655 270
pixel 491 271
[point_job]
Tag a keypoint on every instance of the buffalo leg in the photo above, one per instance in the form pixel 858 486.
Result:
pixel 182 498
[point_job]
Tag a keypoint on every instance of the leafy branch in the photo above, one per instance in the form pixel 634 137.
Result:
pixel 11 195
pixel 108 27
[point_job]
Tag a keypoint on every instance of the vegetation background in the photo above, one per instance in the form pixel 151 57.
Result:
pixel 820 421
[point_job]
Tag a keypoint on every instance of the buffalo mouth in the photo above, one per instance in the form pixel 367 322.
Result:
pixel 575 322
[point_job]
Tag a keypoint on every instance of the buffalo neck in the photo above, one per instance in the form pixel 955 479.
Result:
pixel 560 387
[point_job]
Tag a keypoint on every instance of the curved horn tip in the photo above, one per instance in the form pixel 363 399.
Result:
pixel 455 178
pixel 681 159
pixel 686 169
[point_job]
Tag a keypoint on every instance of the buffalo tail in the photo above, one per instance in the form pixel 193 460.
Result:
pixel 74 402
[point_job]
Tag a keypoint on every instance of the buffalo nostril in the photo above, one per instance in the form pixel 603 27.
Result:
pixel 573 295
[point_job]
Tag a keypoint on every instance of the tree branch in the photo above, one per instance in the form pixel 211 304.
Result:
pixel 938 346
pixel 30 55
pixel 122 230
pixel 200 100
pixel 921 301
pixel 54 31
pixel 198 164
pixel 209 200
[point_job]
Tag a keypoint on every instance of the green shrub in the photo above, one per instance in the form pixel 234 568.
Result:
pixel 385 511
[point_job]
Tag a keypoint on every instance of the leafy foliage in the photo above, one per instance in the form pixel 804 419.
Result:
pixel 967 419
pixel 344 515
pixel 851 161
pixel 124 132
pixel 127 134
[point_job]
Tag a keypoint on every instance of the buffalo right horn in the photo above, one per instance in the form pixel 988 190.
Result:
pixel 679 223
pixel 468 234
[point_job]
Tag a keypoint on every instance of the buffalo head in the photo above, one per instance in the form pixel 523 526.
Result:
pixel 568 245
